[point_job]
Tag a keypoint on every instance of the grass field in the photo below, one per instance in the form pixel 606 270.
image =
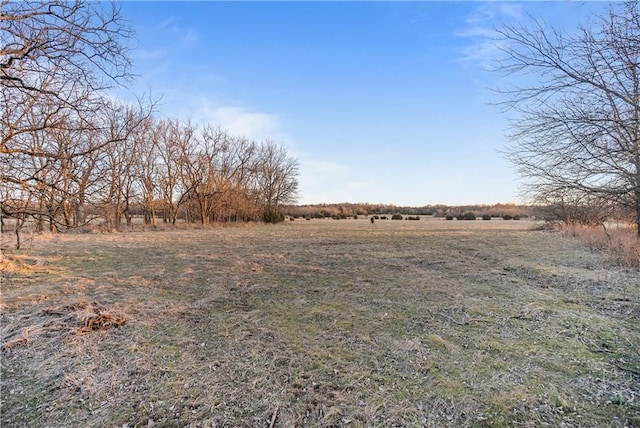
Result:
pixel 320 323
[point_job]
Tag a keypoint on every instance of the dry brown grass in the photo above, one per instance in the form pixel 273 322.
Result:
pixel 621 242
pixel 61 321
pixel 323 323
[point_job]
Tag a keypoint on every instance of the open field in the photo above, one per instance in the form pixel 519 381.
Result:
pixel 320 323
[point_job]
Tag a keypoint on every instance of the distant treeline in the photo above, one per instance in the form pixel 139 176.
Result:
pixel 347 209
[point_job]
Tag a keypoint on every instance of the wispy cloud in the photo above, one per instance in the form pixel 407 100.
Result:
pixel 172 25
pixel 241 122
pixel 152 54
pixel 483 46
pixel 492 11
pixel 319 178
pixel 170 22
pixel 190 36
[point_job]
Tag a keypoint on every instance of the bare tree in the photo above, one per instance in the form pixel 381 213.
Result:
pixel 229 177
pixel 194 164
pixel 277 180
pixel 225 178
pixel 241 167
pixel 578 106
pixel 146 168
pixel 171 136
pixel 47 45
pixel 56 60
pixel 119 160
pixel 68 152
pixel 56 57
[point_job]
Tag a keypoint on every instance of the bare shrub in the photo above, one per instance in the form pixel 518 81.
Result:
pixel 625 246
pixel 622 243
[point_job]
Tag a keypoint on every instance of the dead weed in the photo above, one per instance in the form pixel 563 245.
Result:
pixel 58 322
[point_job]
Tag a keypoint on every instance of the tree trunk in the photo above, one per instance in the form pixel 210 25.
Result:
pixel 127 214
pixel 40 221
pixel 637 190
pixel 80 213
pixel 66 213
pixel 80 210
pixel 117 217
pixel 638 208
pixel 19 224
pixel 52 223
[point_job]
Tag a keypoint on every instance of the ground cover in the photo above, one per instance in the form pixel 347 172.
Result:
pixel 320 323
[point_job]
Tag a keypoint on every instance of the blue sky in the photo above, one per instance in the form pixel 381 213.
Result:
pixel 380 102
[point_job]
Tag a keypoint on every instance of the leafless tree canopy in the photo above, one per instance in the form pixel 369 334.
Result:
pixel 78 40
pixel 69 153
pixel 56 60
pixel 577 132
